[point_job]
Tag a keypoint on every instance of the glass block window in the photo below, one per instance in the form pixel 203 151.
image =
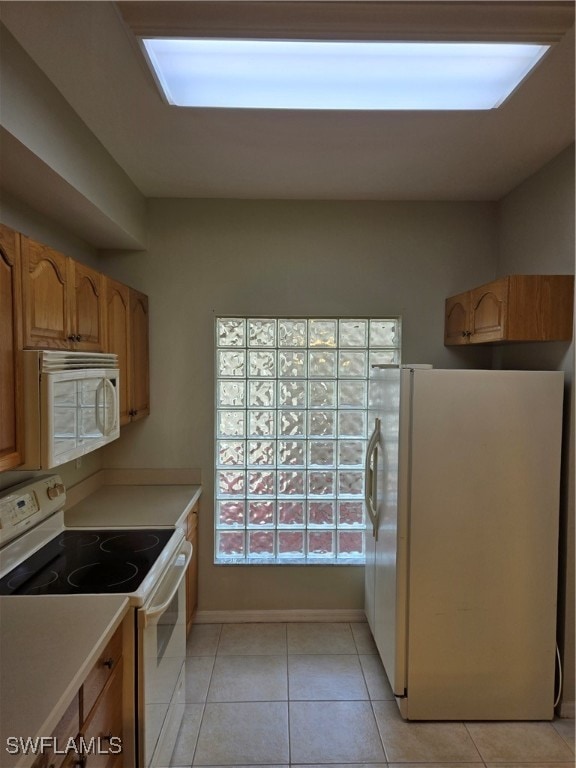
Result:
pixel 291 433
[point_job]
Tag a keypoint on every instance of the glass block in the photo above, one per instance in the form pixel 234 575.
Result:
pixel 231 423
pixel 291 544
pixel 350 543
pixel 230 332
pixel 261 394
pixel 231 513
pixel 321 453
pixel 291 483
pixel 292 423
pixel 261 543
pixel 260 452
pixel 350 483
pixel 261 482
pixel 292 333
pixel 231 452
pixel 321 543
pixel 351 453
pixel 384 357
pixel 321 513
pixel 353 333
pixel 321 483
pixel 321 363
pixel 291 365
pixel 351 513
pixel 261 513
pixel 231 363
pixel 261 363
pixel 352 394
pixel 322 333
pixel 290 513
pixel 231 394
pixel 261 423
pixel 261 333
pixel 292 394
pixel 322 423
pixel 291 453
pixel 352 364
pixel 230 543
pixel 384 333
pixel 230 483
pixel 321 394
pixel 352 424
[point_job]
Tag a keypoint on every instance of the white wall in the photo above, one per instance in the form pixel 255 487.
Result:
pixel 276 258
pixel 536 235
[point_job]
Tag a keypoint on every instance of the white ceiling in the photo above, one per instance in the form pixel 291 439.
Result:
pixel 88 50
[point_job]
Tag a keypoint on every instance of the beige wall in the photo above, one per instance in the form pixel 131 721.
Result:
pixel 536 235
pixel 295 258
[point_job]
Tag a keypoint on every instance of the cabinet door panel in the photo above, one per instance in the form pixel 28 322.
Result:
pixel 140 363
pixel 118 339
pixel 46 311
pixel 87 308
pixel 11 405
pixel 457 320
pixel 488 311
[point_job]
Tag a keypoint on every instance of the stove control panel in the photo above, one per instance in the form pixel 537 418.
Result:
pixel 29 502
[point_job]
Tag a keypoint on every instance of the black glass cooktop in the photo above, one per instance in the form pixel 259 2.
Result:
pixel 87 562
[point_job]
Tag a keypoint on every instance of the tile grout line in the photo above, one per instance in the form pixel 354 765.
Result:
pixel 206 698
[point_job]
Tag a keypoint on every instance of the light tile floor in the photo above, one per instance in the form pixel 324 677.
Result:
pixel 304 695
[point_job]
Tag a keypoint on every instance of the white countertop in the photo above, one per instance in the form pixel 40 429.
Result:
pixel 48 645
pixel 134 505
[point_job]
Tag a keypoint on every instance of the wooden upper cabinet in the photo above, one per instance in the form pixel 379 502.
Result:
pixel 127 337
pixel 140 394
pixel 11 401
pixel 512 308
pixel 87 311
pixel 118 339
pixel 456 330
pixel 63 301
pixel 45 296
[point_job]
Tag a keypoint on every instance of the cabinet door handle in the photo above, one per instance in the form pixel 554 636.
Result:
pixel 108 663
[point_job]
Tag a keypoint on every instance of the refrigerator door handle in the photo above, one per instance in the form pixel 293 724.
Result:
pixel 370 483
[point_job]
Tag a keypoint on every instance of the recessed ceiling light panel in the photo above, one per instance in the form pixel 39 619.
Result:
pixel 317 75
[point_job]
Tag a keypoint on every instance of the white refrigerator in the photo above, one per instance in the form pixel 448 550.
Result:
pixel 462 493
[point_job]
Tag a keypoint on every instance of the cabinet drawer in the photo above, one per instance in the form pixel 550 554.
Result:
pixel 102 731
pixel 101 671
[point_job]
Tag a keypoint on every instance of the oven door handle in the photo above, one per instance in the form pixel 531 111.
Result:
pixel 152 613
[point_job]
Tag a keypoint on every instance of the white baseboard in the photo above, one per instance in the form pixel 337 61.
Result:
pixel 567 709
pixel 242 617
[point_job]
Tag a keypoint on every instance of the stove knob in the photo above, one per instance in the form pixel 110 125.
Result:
pixel 55 491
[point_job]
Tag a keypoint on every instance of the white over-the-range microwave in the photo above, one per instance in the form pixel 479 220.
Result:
pixel 71 405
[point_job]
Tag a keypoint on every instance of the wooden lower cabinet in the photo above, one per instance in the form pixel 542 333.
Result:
pixel 103 729
pixel 192 573
pixel 67 729
pixel 95 719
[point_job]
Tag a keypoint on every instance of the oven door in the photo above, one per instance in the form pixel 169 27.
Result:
pixel 161 655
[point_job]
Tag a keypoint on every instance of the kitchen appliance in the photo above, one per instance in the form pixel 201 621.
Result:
pixel 71 405
pixel 462 492
pixel 39 556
